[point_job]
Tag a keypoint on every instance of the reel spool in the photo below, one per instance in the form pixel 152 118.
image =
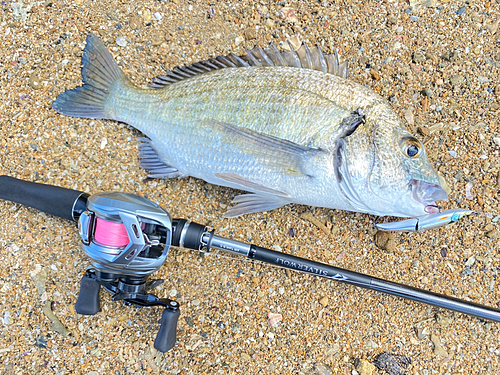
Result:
pixel 127 237
pixel 125 234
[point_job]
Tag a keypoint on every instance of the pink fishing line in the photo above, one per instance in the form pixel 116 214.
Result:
pixel 110 234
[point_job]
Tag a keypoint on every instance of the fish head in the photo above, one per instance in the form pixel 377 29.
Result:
pixel 387 171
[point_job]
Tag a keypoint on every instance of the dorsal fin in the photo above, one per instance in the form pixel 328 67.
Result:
pixel 304 57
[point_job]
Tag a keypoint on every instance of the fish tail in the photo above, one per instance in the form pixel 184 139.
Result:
pixel 99 73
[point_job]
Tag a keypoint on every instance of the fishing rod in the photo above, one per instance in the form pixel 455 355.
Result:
pixel 127 237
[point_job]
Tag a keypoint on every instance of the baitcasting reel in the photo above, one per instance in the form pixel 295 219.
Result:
pixel 127 237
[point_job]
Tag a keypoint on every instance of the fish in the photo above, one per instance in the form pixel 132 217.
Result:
pixel 283 126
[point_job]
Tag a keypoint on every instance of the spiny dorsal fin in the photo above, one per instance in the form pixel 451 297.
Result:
pixel 304 57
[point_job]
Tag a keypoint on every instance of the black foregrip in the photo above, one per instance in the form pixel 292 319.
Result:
pixel 165 340
pixel 88 300
pixel 51 199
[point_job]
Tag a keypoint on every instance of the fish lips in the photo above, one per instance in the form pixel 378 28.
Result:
pixel 427 194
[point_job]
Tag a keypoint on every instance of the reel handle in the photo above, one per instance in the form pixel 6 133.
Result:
pixel 165 339
pixel 88 300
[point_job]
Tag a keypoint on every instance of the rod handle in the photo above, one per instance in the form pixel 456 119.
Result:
pixel 51 199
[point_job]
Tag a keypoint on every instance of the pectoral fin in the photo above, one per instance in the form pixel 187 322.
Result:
pixel 279 155
pixel 262 140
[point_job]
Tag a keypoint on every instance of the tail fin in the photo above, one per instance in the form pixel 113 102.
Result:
pixel 99 72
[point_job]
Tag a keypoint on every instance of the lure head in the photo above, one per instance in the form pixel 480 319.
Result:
pixel 388 169
pixel 125 234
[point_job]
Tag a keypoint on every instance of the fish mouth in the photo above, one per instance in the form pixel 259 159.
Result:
pixel 427 194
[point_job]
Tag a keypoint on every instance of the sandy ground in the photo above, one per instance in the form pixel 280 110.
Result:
pixel 437 62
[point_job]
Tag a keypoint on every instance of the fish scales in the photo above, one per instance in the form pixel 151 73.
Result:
pixel 286 134
pixel 301 112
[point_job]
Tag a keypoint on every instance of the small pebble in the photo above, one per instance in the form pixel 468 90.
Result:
pixel 468 188
pixel 375 75
pixel 121 41
pixel 324 301
pixel 494 234
pixel 457 79
pixel 211 12
pixel 104 142
pixel 41 342
pixel 7 318
pixel 418 57
pixel 439 350
pixel 321 369
pixel 409 116
pixel 393 364
pixel 450 56
pixel 146 15
pixel 39 276
pixel 363 367
pixel 134 22
pixel 250 33
pixel 431 56
pixel 443 320
pixel 385 241
pixel 427 92
pixel 422 333
pixel 34 81
pixel 274 319
pixel 288 15
pixel 470 262
pixel 238 40
pixel 461 11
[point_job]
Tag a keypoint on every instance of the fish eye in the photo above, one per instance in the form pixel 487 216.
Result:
pixel 411 147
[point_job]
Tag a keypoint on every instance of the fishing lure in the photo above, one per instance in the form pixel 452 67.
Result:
pixel 425 222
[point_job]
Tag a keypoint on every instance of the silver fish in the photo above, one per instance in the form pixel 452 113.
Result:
pixel 288 127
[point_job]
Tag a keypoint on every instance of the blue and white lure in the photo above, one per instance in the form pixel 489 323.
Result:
pixel 425 222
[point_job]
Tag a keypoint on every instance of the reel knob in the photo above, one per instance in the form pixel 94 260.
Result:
pixel 165 339
pixel 88 299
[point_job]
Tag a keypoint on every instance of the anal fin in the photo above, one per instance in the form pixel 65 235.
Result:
pixel 151 161
pixel 251 203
